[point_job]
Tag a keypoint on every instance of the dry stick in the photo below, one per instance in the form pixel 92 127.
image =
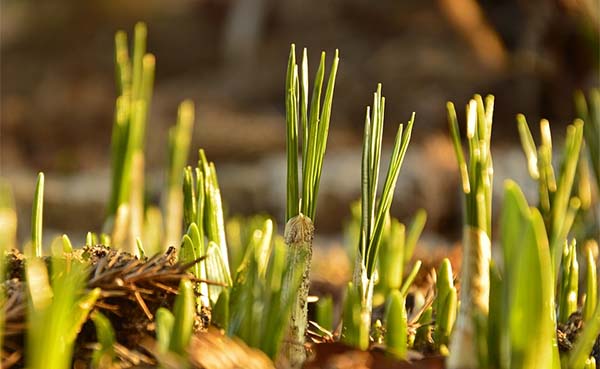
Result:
pixel 299 232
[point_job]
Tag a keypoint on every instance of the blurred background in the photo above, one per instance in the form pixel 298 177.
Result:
pixel 57 93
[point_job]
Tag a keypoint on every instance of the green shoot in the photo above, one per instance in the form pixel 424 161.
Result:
pixel 260 306
pixel 153 232
pixel 396 251
pixel 220 311
pixel 57 309
pixel 314 126
pixel 164 326
pixel 301 206
pixel 354 333
pixel 423 336
pixel 591 295
pixel 568 283
pixel 37 216
pixel 585 342
pixel 445 304
pixel 590 114
pixel 184 312
pixel 374 211
pixel 477 179
pixel 324 313
pixel 527 288
pixel 180 137
pixel 414 232
pixel 134 79
pixel 411 277
pixel 556 204
pixel 396 323
pixel 103 357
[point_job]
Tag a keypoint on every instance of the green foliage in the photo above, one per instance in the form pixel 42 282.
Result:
pixel 445 304
pixel 240 232
pixel 57 308
pixel 477 174
pixel 184 313
pixel 374 211
pixel 591 285
pixel 469 340
pixel 354 332
pixel 220 311
pixel 37 216
pixel 396 324
pixel 527 290
pixel 203 218
pixel 590 114
pixel 103 357
pixel 259 303
pixel 583 347
pixel 410 278
pixel 180 137
pixel 324 313
pixel 557 206
pixel 164 321
pixel 517 330
pixel 396 252
pixel 568 283
pixel 135 78
pixel 313 125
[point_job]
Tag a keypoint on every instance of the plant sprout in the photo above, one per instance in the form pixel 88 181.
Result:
pixel 179 146
pixel 313 126
pixel 476 176
pixel 37 216
pixel 557 206
pixel 374 212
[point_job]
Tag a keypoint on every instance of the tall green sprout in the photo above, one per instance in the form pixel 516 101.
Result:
pixel 57 309
pixel 312 127
pixel 477 178
pixel 556 203
pixel 37 213
pixel 180 137
pixel 526 290
pixel 135 78
pixel 204 221
pixel 374 211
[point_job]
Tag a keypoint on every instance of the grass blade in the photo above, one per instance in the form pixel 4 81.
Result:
pixel 37 216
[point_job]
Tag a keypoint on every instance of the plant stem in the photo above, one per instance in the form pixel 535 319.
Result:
pixel 299 232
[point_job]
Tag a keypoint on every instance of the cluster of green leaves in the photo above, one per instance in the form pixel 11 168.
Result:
pixel 476 175
pixel 313 125
pixel 477 180
pixel 204 221
pixel 135 78
pixel 57 309
pixel 536 282
pixel 556 203
pixel 258 305
pixel 377 229
pixel 129 221
pixel 395 255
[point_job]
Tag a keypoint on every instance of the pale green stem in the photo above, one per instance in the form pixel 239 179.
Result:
pixel 299 232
